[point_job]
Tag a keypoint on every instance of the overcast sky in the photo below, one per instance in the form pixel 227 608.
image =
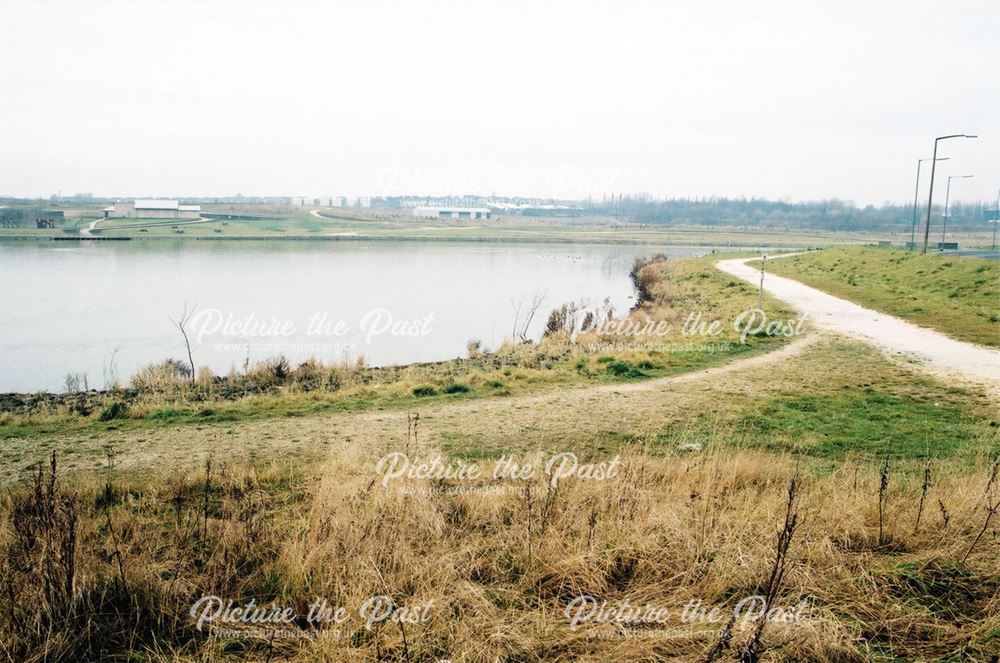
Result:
pixel 797 100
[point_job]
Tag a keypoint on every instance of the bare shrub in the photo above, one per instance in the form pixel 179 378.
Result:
pixel 525 309
pixel 75 382
pixel 181 323
pixel 643 276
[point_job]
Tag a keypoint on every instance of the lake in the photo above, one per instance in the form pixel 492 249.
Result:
pixel 105 308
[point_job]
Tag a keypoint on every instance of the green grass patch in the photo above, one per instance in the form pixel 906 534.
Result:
pixel 623 369
pixel 869 422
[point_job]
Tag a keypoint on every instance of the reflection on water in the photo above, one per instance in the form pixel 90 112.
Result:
pixel 105 307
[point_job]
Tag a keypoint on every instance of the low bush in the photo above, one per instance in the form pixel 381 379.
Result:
pixel 623 369
pixel 116 410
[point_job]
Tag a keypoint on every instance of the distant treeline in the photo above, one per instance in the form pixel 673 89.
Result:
pixel 830 214
pixel 821 215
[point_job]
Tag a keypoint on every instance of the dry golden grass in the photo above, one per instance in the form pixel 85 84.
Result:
pixel 500 560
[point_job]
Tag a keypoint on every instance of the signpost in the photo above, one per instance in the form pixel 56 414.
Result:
pixel 760 294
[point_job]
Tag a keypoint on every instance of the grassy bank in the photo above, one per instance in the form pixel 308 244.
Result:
pixel 833 401
pixel 956 296
pixel 161 395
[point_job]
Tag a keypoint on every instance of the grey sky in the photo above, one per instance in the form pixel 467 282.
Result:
pixel 798 100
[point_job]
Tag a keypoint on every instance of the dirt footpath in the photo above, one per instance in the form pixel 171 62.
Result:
pixel 931 349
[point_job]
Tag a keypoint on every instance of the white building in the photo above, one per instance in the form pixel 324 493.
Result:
pixel 452 212
pixel 153 209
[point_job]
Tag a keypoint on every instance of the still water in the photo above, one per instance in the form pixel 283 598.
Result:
pixel 105 308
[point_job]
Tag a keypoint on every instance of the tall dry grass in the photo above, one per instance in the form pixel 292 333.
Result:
pixel 108 571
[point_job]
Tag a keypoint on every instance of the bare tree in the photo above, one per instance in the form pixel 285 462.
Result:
pixel 181 324
pixel 525 310
pixel 111 370
pixel 75 382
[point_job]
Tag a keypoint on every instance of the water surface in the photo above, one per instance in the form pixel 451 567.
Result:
pixel 104 308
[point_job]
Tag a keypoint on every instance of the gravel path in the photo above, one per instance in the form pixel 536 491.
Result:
pixel 894 336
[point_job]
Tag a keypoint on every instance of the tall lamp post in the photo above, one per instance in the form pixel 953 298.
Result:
pixel 947 197
pixel 930 195
pixel 916 193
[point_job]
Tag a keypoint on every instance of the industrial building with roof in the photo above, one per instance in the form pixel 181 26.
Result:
pixel 152 209
pixel 452 212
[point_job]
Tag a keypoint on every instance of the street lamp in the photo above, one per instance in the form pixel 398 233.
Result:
pixel 947 196
pixel 930 195
pixel 916 192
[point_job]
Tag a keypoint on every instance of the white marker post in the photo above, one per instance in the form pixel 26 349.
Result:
pixel 760 293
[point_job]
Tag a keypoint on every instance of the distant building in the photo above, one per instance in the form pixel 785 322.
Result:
pixel 452 212
pixel 153 209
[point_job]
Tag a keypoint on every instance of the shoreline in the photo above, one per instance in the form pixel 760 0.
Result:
pixel 422 239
